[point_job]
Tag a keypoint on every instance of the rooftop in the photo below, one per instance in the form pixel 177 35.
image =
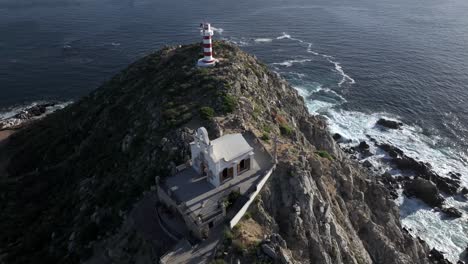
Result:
pixel 230 146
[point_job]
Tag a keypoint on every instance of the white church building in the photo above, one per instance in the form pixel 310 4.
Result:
pixel 221 159
pixel 218 167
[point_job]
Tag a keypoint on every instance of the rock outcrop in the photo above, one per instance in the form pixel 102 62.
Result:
pixel 76 178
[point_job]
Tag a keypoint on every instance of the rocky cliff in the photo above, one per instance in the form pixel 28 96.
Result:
pixel 73 179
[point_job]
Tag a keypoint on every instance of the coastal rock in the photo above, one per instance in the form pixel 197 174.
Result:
pixel 337 137
pixel 389 123
pixel 437 257
pixel 363 145
pixel 452 212
pixel 269 251
pixel 425 190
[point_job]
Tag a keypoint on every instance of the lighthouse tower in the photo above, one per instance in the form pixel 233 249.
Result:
pixel 208 59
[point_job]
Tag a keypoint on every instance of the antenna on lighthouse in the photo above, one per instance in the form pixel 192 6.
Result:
pixel 207 33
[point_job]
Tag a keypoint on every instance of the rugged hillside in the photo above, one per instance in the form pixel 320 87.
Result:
pixel 73 178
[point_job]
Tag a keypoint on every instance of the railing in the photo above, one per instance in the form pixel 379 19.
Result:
pixel 244 208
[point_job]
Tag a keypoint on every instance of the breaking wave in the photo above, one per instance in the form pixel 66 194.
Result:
pixel 265 40
pixel 447 235
pixel 289 63
pixel 217 30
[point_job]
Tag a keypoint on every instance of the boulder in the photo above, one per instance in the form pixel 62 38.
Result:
pixel 425 190
pixel 367 164
pixel 394 152
pixel 389 123
pixel 337 137
pixel 437 257
pixel 452 212
pixel 269 251
pixel 363 145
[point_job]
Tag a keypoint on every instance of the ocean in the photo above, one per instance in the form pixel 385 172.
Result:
pixel 353 61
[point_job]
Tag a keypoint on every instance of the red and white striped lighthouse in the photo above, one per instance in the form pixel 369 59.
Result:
pixel 208 59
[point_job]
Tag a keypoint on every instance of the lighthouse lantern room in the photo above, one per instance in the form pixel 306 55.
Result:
pixel 207 33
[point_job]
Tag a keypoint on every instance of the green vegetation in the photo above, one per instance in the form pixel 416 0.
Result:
pixel 231 199
pixel 228 236
pixel 265 137
pixel 286 130
pixel 324 154
pixel 207 112
pixel 247 215
pixel 230 103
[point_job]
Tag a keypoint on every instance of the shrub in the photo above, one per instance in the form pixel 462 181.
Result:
pixel 238 246
pixel 248 215
pixel 267 128
pixel 218 261
pixel 230 103
pixel 207 112
pixel 324 154
pixel 286 130
pixel 265 137
pixel 228 236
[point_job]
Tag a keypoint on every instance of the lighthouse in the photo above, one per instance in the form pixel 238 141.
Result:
pixel 207 33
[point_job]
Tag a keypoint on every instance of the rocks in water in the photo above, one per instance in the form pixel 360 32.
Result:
pixel 425 190
pixel 392 150
pixel 29 113
pixel 452 212
pixel 437 257
pixel 337 137
pixel 367 164
pixel 448 185
pixel 33 111
pixel 389 123
pixel 363 145
pixel 391 183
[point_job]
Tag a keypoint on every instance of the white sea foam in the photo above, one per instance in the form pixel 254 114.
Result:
pixel 447 235
pixel 217 30
pixel 344 77
pixel 289 63
pixel 309 49
pixel 287 36
pixel 263 40
pixel 115 44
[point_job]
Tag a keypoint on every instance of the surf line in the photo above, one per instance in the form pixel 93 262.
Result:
pixel 344 77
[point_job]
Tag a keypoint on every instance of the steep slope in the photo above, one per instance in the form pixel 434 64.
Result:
pixel 73 177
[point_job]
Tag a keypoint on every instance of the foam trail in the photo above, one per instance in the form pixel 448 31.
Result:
pixel 290 63
pixel 344 77
pixel 309 49
pixel 339 69
pixel 287 36
pixel 263 40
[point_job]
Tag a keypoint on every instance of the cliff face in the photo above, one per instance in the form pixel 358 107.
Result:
pixel 73 178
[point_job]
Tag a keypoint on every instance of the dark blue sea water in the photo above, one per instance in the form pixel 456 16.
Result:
pixel 354 62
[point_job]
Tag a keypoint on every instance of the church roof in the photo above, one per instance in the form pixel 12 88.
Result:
pixel 229 147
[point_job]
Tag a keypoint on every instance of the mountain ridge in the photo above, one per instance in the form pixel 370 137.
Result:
pixel 73 178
